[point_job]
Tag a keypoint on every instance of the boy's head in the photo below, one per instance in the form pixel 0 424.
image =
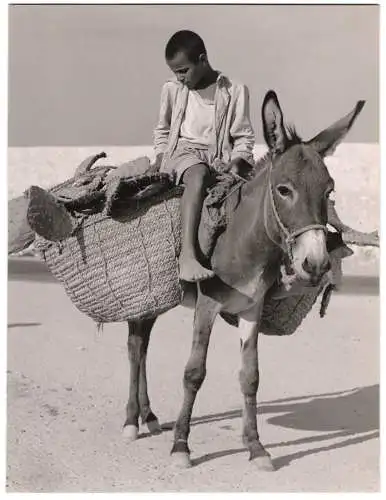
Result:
pixel 186 56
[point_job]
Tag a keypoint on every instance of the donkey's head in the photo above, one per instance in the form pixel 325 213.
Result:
pixel 300 186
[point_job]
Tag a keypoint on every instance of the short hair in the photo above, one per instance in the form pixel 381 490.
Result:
pixel 185 41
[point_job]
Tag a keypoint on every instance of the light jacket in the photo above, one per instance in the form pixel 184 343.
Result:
pixel 233 132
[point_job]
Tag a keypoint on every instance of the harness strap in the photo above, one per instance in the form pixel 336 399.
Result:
pixel 265 215
pixel 289 236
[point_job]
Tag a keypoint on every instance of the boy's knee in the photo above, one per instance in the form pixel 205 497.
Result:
pixel 198 174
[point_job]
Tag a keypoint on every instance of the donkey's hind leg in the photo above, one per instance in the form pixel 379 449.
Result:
pixel 194 374
pixel 138 403
pixel 147 416
pixel 249 382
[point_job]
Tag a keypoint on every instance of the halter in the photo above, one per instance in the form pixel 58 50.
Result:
pixel 290 236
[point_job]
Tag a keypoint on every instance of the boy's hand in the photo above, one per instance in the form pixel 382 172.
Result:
pixel 239 166
pixel 155 167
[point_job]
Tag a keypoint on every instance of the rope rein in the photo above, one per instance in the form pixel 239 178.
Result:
pixel 289 236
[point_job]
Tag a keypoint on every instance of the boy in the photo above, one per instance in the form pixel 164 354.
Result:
pixel 204 125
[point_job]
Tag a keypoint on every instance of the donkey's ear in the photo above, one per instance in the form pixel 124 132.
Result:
pixel 326 142
pixel 272 116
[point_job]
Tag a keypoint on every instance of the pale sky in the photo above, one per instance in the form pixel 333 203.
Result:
pixel 85 75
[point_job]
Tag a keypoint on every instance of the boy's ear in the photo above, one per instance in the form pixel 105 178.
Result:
pixel 203 58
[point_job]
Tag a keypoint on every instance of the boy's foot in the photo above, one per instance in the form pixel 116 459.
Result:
pixel 192 270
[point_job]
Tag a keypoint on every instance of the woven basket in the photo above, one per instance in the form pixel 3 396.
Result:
pixel 284 316
pixel 126 268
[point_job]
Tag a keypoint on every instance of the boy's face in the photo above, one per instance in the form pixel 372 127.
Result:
pixel 187 72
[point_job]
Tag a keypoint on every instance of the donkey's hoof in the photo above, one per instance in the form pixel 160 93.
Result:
pixel 130 432
pixel 154 427
pixel 181 460
pixel 264 462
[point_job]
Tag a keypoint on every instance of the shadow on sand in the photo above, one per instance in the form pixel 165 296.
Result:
pixel 29 269
pixel 359 285
pixel 22 325
pixel 343 418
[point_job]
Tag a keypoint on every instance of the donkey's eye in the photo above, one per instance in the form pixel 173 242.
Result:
pixel 284 190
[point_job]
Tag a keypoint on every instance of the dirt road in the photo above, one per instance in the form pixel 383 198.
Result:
pixel 68 384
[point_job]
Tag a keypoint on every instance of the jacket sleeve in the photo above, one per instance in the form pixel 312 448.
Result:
pixel 241 129
pixel 162 129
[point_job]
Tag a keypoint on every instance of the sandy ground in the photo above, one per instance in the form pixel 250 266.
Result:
pixel 68 385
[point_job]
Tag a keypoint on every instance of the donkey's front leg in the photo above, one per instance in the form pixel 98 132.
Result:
pixel 194 374
pixel 138 403
pixel 249 382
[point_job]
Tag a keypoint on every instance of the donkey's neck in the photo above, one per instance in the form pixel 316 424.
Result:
pixel 244 252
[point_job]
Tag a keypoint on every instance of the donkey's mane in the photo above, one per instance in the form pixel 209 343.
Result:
pixel 292 135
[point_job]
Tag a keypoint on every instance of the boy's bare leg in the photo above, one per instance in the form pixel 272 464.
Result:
pixel 195 180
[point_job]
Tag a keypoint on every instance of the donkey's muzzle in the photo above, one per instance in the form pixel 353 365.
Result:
pixel 315 269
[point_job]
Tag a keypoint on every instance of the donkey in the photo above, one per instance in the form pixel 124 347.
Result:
pixel 281 211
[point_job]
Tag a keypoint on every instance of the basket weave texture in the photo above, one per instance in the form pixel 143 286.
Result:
pixel 126 267
pixel 284 316
pixel 123 268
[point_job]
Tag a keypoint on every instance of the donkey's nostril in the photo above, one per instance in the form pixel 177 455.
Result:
pixel 316 269
pixel 307 266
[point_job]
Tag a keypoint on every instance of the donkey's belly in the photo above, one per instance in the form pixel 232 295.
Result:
pixel 237 302
pixel 237 298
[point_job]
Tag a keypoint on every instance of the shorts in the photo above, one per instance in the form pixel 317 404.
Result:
pixel 185 156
